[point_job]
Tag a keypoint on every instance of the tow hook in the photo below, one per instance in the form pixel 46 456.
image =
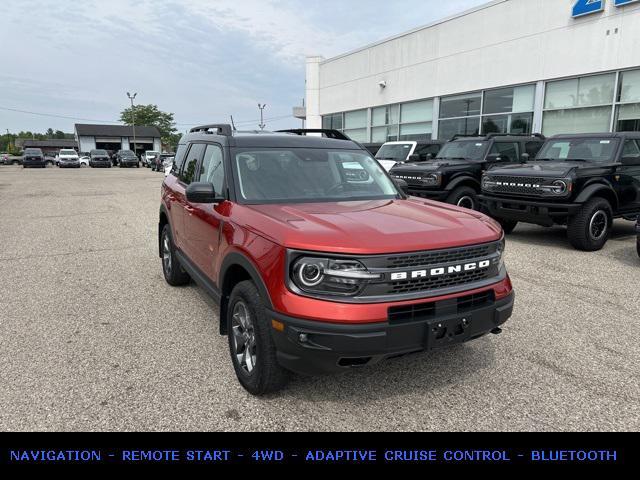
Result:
pixel 496 331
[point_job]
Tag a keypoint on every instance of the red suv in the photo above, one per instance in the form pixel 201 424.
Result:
pixel 318 260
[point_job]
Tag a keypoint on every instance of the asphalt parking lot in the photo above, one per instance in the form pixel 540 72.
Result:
pixel 91 337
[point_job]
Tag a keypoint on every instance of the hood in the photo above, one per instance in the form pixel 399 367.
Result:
pixel 370 227
pixel 429 166
pixel 540 169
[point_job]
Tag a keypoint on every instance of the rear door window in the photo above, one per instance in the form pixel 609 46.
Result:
pixel 509 151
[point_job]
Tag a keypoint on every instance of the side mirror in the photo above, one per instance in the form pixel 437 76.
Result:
pixel 494 157
pixel 202 192
pixel 402 185
pixel 525 157
pixel 630 161
pixel 414 158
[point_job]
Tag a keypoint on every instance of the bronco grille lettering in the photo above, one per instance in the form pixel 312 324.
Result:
pixel 439 271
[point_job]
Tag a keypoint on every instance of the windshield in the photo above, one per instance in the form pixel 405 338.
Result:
pixel 68 152
pixel 467 150
pixel 32 151
pixel 397 151
pixel 585 149
pixel 99 152
pixel 298 175
pixel 127 153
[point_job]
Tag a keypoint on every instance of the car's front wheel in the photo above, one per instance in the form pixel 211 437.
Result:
pixel 174 274
pixel 252 349
pixel 464 197
pixel 507 225
pixel 589 229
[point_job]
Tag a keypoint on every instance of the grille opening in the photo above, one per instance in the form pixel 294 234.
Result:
pixel 408 286
pixel 476 300
pixel 426 311
pixel 354 362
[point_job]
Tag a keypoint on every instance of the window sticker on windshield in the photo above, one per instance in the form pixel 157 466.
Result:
pixel 478 144
pixel 605 142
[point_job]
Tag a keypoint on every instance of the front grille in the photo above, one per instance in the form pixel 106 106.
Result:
pixel 518 185
pixel 428 310
pixel 440 256
pixel 410 177
pixel 434 283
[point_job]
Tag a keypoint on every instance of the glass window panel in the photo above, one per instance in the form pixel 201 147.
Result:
pixel 384 134
pixel 582 120
pixel 326 122
pixel 561 94
pixel 630 86
pixel 628 118
pixel 460 106
pixel 517 123
pixel 359 134
pixel 498 101
pixel 463 126
pixel 524 98
pixel 416 131
pixel 379 116
pixel 417 112
pixel 332 121
pixel 596 90
pixel 357 119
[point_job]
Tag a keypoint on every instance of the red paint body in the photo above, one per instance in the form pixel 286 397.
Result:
pixel 263 233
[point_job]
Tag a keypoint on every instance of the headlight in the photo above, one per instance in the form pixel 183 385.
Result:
pixel 330 277
pixel 558 187
pixel 432 179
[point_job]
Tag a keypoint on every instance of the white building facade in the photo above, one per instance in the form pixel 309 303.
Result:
pixel 509 66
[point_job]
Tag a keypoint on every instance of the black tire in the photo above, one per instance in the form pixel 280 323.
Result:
pixel 266 374
pixel 173 272
pixel 138 165
pixel 464 197
pixel 588 230
pixel 638 245
pixel 507 225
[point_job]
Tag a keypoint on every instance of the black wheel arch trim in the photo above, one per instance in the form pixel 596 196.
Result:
pixel 236 258
pixel 163 210
pixel 593 189
pixel 463 179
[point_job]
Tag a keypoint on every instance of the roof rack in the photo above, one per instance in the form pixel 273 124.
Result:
pixel 329 133
pixel 462 135
pixel 221 129
pixel 537 135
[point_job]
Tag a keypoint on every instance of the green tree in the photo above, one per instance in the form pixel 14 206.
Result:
pixel 150 115
pixel 50 133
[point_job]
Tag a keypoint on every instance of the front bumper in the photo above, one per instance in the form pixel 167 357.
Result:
pixel 430 193
pixel 100 163
pixel 528 211
pixel 330 348
pixel 34 163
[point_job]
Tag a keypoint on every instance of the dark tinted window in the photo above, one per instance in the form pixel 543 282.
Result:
pixel 179 160
pixel 508 151
pixel 212 169
pixel 586 149
pixel 424 150
pixel 631 149
pixel 533 148
pixel 188 172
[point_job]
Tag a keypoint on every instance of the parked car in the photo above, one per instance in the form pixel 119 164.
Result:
pixel 372 147
pixel 99 158
pixel 394 153
pixel 85 158
pixel 582 181
pixel 33 157
pixel 49 159
pixel 126 158
pixel 148 156
pixel 455 175
pixel 318 260
pixel 68 158
pixel 161 161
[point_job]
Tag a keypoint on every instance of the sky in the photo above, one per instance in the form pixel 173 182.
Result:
pixel 202 60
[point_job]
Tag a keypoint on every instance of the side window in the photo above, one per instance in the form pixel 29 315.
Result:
pixel 424 150
pixel 187 174
pixel 532 148
pixel 508 151
pixel 179 159
pixel 631 149
pixel 212 169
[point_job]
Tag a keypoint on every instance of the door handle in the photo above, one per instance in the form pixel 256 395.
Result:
pixel 189 209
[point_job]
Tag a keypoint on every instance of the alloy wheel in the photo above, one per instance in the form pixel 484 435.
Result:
pixel 467 202
pixel 166 254
pixel 244 338
pixel 598 225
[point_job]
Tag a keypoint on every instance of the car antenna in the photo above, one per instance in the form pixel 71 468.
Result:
pixel 233 124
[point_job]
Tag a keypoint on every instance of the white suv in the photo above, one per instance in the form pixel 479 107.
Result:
pixel 148 156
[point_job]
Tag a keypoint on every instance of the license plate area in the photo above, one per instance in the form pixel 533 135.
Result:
pixel 449 331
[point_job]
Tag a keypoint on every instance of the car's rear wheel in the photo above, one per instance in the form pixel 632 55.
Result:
pixel 589 229
pixel 465 197
pixel 507 225
pixel 252 349
pixel 174 274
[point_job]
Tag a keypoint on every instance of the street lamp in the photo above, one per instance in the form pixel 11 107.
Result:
pixel 133 113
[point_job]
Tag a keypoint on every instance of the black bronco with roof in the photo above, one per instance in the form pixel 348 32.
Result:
pixel 454 176
pixel 393 153
pixel 583 181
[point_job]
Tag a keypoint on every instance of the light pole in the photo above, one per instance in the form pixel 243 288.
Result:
pixel 133 113
pixel 262 107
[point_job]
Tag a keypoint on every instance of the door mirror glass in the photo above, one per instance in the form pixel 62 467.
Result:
pixel 494 157
pixel 202 192
pixel 414 158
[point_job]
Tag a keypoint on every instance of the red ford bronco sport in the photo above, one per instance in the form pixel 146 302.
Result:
pixel 318 260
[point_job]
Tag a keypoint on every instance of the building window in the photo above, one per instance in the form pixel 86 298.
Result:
pixel 416 120
pixel 355 125
pixel 384 123
pixel 508 110
pixel 579 105
pixel 460 115
pixel 333 121
pixel 628 107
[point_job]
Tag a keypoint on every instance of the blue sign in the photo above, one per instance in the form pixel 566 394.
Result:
pixel 587 7
pixel 622 3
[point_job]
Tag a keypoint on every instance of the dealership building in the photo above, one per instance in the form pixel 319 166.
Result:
pixel 117 137
pixel 509 66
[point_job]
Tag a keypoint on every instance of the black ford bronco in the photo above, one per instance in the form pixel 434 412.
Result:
pixel 454 176
pixel 583 181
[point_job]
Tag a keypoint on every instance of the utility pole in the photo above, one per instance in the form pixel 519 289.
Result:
pixel 262 107
pixel 133 112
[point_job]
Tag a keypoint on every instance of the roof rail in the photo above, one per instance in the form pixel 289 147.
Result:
pixel 222 129
pixel 329 133
pixel 462 135
pixel 537 135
